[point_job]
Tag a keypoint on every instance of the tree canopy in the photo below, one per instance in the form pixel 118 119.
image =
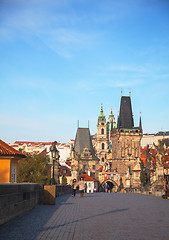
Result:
pixel 34 169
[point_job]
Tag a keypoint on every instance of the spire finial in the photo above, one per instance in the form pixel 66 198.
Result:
pixel 77 123
pixel 111 110
pixel 140 124
pixel 130 92
pixel 88 123
pixel 121 91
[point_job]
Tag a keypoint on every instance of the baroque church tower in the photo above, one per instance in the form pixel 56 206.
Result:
pixel 102 140
pixel 110 125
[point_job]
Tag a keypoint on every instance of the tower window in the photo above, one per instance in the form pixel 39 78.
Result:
pixel 102 123
pixel 102 131
pixel 102 145
pixel 102 159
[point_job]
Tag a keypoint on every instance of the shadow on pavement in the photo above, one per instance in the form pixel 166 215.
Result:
pixel 29 225
pixel 86 218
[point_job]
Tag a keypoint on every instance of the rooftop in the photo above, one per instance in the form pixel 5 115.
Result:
pixel 6 150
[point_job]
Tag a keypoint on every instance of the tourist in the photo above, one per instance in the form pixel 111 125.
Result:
pixel 74 186
pixel 81 187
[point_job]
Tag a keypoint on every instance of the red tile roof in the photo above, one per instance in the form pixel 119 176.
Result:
pixel 68 163
pixel 32 143
pixel 88 178
pixel 6 150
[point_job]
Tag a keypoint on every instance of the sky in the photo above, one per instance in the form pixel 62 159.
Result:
pixel 60 60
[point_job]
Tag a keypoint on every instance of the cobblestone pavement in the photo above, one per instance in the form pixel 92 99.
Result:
pixel 97 216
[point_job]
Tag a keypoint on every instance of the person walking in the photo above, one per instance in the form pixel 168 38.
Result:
pixel 81 187
pixel 74 186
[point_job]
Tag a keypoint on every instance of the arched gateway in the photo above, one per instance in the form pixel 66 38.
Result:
pixel 109 185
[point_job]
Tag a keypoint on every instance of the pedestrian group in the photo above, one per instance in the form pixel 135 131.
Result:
pixel 81 185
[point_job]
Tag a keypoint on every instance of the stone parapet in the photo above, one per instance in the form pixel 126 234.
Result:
pixel 63 189
pixel 16 199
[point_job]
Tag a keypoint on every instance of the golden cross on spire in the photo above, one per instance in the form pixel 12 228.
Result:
pixel 130 92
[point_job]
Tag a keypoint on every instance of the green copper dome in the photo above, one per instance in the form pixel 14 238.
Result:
pixel 101 116
pixel 111 114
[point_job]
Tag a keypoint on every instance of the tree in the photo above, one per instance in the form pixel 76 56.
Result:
pixel 142 174
pixel 34 169
pixel 148 165
pixel 145 170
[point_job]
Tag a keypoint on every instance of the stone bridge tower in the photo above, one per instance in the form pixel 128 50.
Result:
pixel 126 142
pixel 83 156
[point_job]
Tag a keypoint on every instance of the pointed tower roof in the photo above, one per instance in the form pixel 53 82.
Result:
pixel 83 140
pixel 125 119
pixel 101 116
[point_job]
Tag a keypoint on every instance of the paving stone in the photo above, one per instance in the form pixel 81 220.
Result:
pixel 96 216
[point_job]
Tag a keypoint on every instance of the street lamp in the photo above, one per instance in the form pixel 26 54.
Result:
pixel 55 157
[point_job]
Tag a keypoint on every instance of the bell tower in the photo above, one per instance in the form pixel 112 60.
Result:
pixel 102 140
pixel 110 124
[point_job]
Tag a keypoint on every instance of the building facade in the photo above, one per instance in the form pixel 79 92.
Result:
pixel 126 144
pixel 83 156
pixel 9 163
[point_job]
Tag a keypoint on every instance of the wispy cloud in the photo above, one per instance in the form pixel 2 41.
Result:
pixel 65 41
pixel 128 68
pixel 57 29
pixel 107 83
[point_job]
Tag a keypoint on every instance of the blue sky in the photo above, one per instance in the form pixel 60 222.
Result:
pixel 59 60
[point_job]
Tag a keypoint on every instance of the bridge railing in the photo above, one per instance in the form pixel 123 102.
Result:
pixel 17 198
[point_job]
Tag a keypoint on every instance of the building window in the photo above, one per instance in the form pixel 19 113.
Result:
pixel 102 159
pixel 93 167
pixel 102 131
pixel 102 145
pixel 102 123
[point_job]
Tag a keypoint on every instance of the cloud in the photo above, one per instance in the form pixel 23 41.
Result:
pixel 93 85
pixel 128 68
pixel 66 41
pixel 55 25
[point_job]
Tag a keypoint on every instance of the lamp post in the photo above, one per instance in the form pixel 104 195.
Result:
pixel 55 157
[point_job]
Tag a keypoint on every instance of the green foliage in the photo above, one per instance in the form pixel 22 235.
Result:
pixel 148 165
pixel 34 169
pixel 142 174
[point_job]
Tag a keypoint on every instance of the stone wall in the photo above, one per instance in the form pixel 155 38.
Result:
pixel 63 189
pixel 16 199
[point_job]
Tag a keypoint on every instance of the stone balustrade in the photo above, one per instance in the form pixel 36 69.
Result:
pixel 17 198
